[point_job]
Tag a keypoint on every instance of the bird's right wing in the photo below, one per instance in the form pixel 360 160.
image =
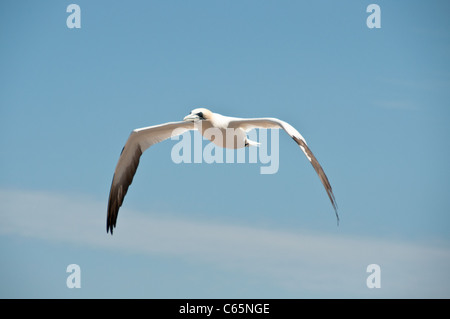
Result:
pixel 138 141
pixel 274 123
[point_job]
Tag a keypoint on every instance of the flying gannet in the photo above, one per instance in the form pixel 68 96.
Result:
pixel 203 120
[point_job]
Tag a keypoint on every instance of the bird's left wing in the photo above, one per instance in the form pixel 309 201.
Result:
pixel 274 123
pixel 138 141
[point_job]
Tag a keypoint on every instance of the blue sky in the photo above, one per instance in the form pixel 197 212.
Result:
pixel 372 104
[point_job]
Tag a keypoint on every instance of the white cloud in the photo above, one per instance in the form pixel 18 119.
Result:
pixel 334 265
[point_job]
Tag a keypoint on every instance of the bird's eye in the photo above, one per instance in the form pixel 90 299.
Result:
pixel 200 115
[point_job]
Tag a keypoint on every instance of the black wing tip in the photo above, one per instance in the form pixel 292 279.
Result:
pixel 323 177
pixel 111 220
pixel 337 216
pixel 333 202
pixel 111 216
pixel 119 190
pixel 109 228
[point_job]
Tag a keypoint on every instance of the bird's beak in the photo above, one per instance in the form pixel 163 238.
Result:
pixel 191 118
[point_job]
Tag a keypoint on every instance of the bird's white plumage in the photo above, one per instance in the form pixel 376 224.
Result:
pixel 206 122
pixel 145 137
pixel 268 123
pixel 148 136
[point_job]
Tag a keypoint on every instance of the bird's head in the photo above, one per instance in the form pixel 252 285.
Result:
pixel 200 114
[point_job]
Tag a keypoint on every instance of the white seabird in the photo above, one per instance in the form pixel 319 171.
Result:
pixel 206 121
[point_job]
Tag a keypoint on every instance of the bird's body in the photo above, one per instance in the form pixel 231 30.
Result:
pixel 224 131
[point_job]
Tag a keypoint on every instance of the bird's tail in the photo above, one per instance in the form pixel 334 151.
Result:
pixel 251 143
